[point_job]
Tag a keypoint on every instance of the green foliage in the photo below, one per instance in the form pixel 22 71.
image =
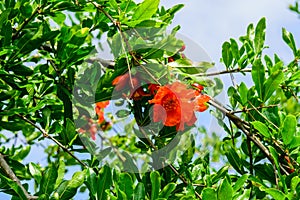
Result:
pixel 50 79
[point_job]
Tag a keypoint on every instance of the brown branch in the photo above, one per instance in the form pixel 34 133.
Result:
pixel 46 135
pixel 12 176
pixel 225 72
pixel 249 109
pixel 244 126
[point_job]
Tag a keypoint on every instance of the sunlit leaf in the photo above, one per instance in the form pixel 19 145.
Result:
pixel 262 128
pixel 258 77
pixel 259 38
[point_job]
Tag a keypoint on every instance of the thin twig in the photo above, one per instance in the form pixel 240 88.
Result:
pixel 225 72
pixel 249 109
pixel 12 176
pixel 46 135
pixel 240 124
pixel 263 115
pixel 250 155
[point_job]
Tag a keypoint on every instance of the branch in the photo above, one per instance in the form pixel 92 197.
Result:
pixel 225 72
pixel 245 127
pixel 12 176
pixel 106 63
pixel 46 135
pixel 257 108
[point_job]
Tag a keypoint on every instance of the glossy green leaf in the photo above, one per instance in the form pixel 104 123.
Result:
pixel 126 184
pixel 91 181
pixel 145 10
pixel 139 192
pixel 289 129
pixel 155 183
pixel 276 194
pixel 289 40
pixel 209 194
pixel 258 77
pixel 48 180
pixel 225 190
pixel 68 189
pixel 235 49
pixel 60 172
pixel 240 182
pixel 219 174
pixel 259 37
pixel 262 128
pixel 104 182
pixel 272 83
pixel 295 142
pixel 234 160
pixel 243 90
pixel 35 171
pixel 13 185
pixel 275 156
pixel 122 113
pixel 226 54
pixel 167 190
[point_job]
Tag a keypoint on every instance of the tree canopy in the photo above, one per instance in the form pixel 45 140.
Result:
pixel 128 123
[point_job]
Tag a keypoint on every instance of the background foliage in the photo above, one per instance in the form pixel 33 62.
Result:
pixel 43 46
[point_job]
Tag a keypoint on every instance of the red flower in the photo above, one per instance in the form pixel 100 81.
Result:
pixel 173 105
pixel 99 110
pixel 201 102
pixel 120 81
pixel 153 88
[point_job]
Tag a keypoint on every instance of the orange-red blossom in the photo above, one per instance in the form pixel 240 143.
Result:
pixel 99 110
pixel 174 105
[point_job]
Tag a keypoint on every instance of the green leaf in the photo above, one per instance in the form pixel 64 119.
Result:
pixel 295 142
pixel 13 185
pixel 226 54
pixel 126 184
pixel 243 90
pixel 70 130
pixel 275 157
pixel 91 181
pixel 240 182
pixel 219 175
pixel 122 113
pixel 289 129
pixel 35 171
pixel 234 160
pixel 145 10
pixel 262 128
pixel 276 194
pixel 175 9
pixel 155 182
pixel 48 180
pixel 259 37
pixel 225 190
pixel 139 192
pixel 104 182
pixel 60 172
pixel 258 77
pixel 235 49
pixel 209 194
pixel 68 189
pixel 272 83
pixel 167 190
pixel 26 9
pixel 289 40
